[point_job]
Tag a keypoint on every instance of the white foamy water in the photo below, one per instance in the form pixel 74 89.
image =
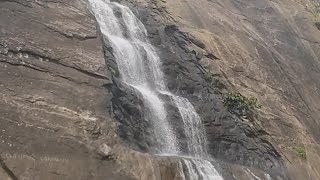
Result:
pixel 201 169
pixel 140 68
pixel 193 127
pixel 136 59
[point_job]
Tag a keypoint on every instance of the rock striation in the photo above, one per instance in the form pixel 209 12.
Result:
pixel 65 114
pixel 54 104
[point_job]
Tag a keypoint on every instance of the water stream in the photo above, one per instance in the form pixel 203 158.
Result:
pixel 140 68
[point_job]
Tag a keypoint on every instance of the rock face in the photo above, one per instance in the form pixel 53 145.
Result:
pixel 268 49
pixel 230 138
pixel 260 48
pixel 53 103
pixel 62 109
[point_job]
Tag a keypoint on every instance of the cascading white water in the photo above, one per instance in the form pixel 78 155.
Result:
pixel 140 68
pixel 130 46
pixel 201 169
pixel 193 127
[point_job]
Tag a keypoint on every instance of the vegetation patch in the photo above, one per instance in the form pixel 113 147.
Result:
pixel 240 105
pixel 301 152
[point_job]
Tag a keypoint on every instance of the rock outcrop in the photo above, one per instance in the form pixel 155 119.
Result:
pixel 55 120
pixel 266 49
pixel 62 107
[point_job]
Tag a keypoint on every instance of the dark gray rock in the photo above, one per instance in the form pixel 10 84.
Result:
pixel 128 109
pixel 230 138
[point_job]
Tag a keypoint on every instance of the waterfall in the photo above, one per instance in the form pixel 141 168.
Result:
pixel 201 169
pixel 140 68
pixel 194 130
pixel 138 64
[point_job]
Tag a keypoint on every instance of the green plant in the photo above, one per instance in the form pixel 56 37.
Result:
pixel 240 105
pixel 301 152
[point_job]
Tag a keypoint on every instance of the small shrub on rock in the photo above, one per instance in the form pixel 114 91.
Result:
pixel 240 105
pixel 301 152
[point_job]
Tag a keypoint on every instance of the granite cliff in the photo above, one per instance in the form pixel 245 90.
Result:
pixel 66 116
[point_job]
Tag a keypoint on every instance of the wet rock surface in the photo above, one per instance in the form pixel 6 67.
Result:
pixel 258 48
pixel 229 137
pixel 128 109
